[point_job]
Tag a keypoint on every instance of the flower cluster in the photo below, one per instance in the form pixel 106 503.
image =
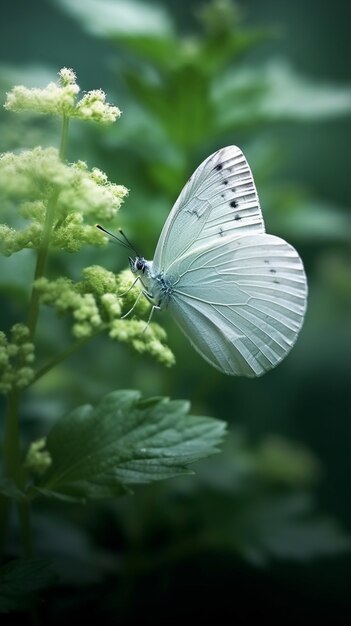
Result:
pixel 38 460
pixel 39 189
pixel 96 304
pixel 61 98
pixel 30 179
pixel 16 359
pixel 143 339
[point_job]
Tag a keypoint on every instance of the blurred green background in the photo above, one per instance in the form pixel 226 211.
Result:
pixel 262 529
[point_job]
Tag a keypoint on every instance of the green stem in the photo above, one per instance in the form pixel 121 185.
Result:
pixel 12 459
pixel 41 264
pixel 64 134
pixel 12 454
pixel 14 469
pixel 45 241
pixel 12 448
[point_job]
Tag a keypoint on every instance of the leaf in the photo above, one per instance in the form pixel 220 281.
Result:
pixel 109 18
pixel 275 91
pixel 315 220
pixel 291 96
pixel 287 528
pixel 262 511
pixel 189 119
pixel 20 580
pixel 98 452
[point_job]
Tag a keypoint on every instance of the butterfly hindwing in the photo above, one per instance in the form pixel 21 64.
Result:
pixel 240 301
pixel 219 199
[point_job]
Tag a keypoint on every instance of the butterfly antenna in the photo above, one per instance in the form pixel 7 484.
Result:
pixel 128 242
pixel 121 241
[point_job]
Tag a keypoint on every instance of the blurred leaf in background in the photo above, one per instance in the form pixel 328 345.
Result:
pixel 190 78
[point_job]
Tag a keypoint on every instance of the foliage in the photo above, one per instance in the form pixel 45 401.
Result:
pixel 253 506
pixel 91 453
pixel 124 441
pixel 20 582
pixel 193 92
pixel 183 95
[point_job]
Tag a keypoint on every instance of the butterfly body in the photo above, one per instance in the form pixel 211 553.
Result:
pixel 238 293
pixel 158 288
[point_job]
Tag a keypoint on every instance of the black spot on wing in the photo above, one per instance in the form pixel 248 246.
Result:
pixel 218 167
pixel 233 203
pixel 273 271
pixel 237 217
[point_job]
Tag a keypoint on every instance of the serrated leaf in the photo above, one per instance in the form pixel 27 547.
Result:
pixel 20 580
pixel 98 452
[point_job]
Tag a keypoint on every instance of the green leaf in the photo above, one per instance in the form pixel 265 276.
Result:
pixel 315 220
pixel 180 101
pixel 287 528
pixel 274 92
pixel 163 52
pixel 20 580
pixel 98 452
pixel 108 18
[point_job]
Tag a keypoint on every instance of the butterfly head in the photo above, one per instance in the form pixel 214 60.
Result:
pixel 138 264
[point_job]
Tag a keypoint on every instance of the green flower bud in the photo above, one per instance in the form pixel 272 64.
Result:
pixel 16 356
pixel 143 340
pixel 38 460
pixel 93 106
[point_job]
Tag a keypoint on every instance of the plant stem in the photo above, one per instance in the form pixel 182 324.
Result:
pixel 14 469
pixel 45 241
pixel 12 449
pixel 64 134
pixel 12 456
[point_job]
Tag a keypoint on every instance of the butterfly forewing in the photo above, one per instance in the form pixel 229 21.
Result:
pixel 219 199
pixel 240 301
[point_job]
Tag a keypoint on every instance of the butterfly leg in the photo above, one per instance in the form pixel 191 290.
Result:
pixel 154 306
pixel 129 288
pixel 141 293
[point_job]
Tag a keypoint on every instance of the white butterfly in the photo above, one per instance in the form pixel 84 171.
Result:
pixel 237 293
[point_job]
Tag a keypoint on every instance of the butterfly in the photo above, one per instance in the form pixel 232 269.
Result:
pixel 237 293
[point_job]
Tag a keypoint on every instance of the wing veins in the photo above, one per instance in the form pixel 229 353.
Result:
pixel 259 350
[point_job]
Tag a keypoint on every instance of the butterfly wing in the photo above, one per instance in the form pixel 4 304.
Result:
pixel 240 301
pixel 220 198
